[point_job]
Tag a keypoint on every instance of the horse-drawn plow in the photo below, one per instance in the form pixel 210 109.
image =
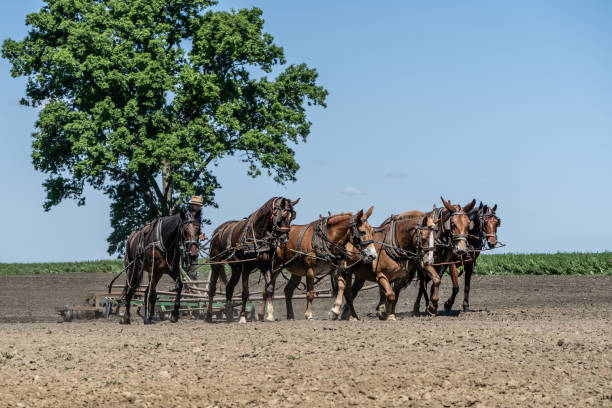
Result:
pixel 194 302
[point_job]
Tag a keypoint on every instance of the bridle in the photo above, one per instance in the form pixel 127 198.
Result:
pixel 454 237
pixel 187 243
pixel 482 220
pixel 277 229
pixel 420 249
pixel 356 236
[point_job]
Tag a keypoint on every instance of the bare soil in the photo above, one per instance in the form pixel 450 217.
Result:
pixel 535 341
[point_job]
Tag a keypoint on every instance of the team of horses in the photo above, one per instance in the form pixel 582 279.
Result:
pixel 345 246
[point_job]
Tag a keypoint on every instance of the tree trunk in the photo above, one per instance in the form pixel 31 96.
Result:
pixel 166 187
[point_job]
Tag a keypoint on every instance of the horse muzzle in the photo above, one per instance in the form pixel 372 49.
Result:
pixel 369 255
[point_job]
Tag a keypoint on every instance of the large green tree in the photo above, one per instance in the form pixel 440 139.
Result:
pixel 142 98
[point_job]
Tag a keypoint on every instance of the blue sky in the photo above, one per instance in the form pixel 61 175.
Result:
pixel 509 103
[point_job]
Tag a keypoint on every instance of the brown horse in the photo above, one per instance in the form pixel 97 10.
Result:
pixel 249 244
pixel 404 242
pixel 451 244
pixel 159 248
pixel 483 228
pixel 317 248
pixel 451 230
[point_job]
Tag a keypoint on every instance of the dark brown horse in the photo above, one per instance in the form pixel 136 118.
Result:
pixel 246 245
pixel 483 228
pixel 403 242
pixel 316 249
pixel 159 248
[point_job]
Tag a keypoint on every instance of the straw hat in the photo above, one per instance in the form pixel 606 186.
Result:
pixel 196 200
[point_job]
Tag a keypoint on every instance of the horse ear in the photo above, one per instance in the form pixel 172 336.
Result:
pixel 494 207
pixel 359 214
pixel 470 206
pixel 480 206
pixel 293 203
pixel 368 213
pixel 447 204
pixel 485 209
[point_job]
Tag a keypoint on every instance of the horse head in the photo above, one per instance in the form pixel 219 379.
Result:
pixel 190 236
pixel 281 215
pixel 426 237
pixel 457 224
pixel 489 224
pixel 362 235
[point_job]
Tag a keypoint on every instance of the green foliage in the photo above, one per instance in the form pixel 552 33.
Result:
pixel 574 263
pixel 60 267
pixel 106 266
pixel 142 98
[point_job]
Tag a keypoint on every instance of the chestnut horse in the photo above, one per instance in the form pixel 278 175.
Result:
pixel 404 242
pixel 249 244
pixel 483 228
pixel 159 248
pixel 317 248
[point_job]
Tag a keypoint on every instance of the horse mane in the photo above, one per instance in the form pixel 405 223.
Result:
pixel 333 219
pixel 411 214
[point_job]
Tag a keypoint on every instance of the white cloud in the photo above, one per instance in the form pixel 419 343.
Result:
pixel 352 191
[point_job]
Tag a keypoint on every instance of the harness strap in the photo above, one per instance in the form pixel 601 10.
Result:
pixel 228 244
pixel 301 236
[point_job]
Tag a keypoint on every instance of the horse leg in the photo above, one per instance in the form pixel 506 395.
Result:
pixel 229 291
pixel 381 308
pixel 383 283
pixel 423 280
pixel 448 305
pixel 178 286
pixel 468 269
pixel 357 285
pixel 432 307
pixel 212 289
pixel 150 298
pixel 335 311
pixel 397 288
pixel 294 281
pixel 309 293
pixel 245 295
pixel 348 294
pixel 129 293
pixel 270 295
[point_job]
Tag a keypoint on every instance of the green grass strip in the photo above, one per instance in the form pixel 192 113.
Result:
pixel 563 263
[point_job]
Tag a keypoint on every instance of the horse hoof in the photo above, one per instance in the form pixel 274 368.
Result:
pixel 447 307
pixel 332 315
pixel 432 311
pixel 125 321
pixel 391 317
pixel 308 317
pixel 352 319
pixel 148 321
pixel 381 312
pixel 269 318
pixel 174 318
pixel 242 320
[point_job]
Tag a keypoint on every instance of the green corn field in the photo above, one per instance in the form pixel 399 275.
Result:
pixel 562 263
